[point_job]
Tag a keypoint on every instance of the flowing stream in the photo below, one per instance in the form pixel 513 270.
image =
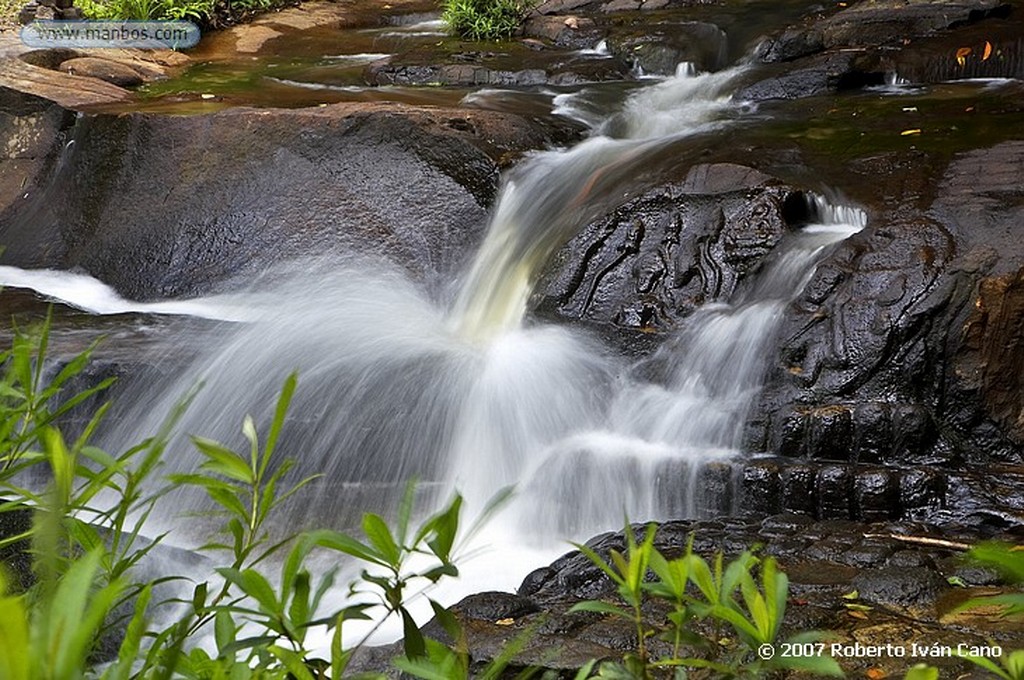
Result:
pixel 465 393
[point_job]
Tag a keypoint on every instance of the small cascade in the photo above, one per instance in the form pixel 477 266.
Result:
pixel 599 50
pixel 547 199
pixel 645 462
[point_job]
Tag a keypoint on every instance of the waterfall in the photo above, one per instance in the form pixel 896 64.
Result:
pixel 643 462
pixel 396 384
pixel 549 198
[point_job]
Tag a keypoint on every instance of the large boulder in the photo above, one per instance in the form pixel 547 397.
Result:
pixel 905 346
pixel 658 257
pixel 163 206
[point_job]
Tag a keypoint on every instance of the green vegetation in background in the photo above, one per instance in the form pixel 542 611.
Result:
pixel 206 13
pixel 469 19
pixel 485 19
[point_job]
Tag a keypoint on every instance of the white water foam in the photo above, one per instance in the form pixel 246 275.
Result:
pixel 86 293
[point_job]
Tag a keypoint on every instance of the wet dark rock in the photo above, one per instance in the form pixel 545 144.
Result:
pixel 910 558
pixel 784 524
pixel 873 24
pixel 241 189
pixel 858 46
pixel 568 32
pixel 910 588
pixel 29 127
pixel 905 347
pixel 811 76
pixel 833 570
pixel 515 66
pixel 760 488
pixel 866 555
pixel 662 255
pixel 876 495
pixel 659 47
pixel 495 606
pixel 834 490
pixel 966 574
pixel 798 489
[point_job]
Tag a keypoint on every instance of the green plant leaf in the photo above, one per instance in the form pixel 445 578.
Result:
pixel 413 642
pixel 224 629
pixel 223 460
pixel 256 586
pixel 820 666
pixel 15 653
pixel 987 664
pixel 280 412
pixel 1004 557
pixel 599 607
pixel 376 530
pixel 922 672
pixel 335 540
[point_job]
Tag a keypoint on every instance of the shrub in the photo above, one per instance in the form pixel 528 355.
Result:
pixel 206 13
pixel 485 19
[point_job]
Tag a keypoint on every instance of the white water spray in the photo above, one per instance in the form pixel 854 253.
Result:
pixel 394 385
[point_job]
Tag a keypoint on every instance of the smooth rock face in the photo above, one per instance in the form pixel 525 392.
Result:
pixel 871 24
pixel 30 130
pixel 163 206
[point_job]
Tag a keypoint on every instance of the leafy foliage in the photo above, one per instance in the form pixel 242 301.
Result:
pixel 203 12
pixel 85 552
pixel 730 594
pixel 485 19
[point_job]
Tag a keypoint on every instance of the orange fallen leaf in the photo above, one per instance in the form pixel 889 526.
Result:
pixel 876 674
pixel 505 622
pixel 914 131
pixel 961 55
pixel 858 615
pixel 988 51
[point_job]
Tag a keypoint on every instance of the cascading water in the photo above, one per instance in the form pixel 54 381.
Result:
pixel 644 463
pixel 394 384
pixel 551 196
